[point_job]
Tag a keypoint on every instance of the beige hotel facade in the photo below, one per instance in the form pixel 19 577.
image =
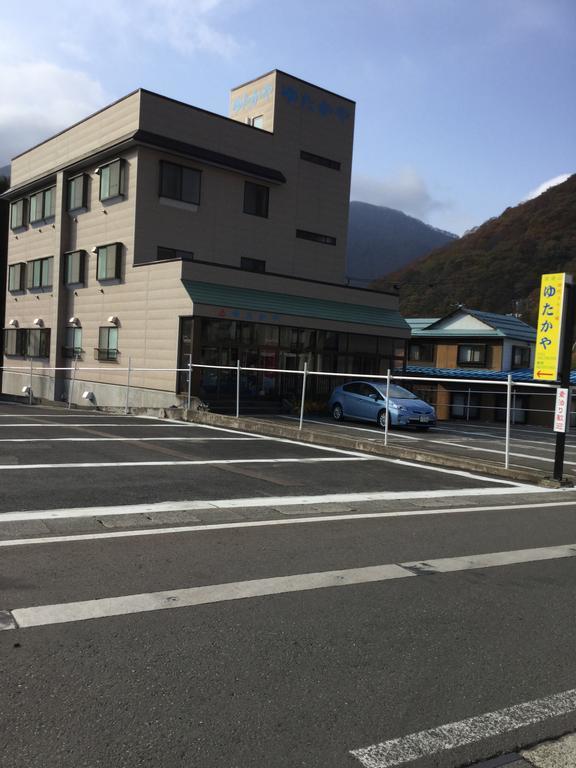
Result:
pixel 154 232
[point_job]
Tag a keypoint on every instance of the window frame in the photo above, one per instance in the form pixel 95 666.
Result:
pixel 22 285
pixel 81 268
pixel 257 189
pixel 23 202
pixel 326 162
pixel 421 345
pixel 73 350
pixel 117 263
pixel 70 207
pixel 43 342
pixel 121 192
pixel 167 195
pixel 248 264
pixel 42 196
pixel 315 237
pixel 20 336
pixel 45 270
pixel 482 348
pixel 524 352
pixel 106 353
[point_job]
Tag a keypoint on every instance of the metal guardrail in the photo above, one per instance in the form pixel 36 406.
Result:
pixel 509 388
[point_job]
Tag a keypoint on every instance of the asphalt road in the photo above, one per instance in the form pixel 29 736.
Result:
pixel 269 630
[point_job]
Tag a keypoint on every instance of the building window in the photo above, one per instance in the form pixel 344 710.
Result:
pixel 77 196
pixel 74 268
pixel 164 254
pixel 38 342
pixel 112 180
pixel 317 238
pixel 252 265
pixel 177 182
pixel 256 122
pixel 520 357
pixel 16 274
pixel 42 205
pixel 109 265
pixel 40 273
pixel 15 341
pixel 107 344
pixel 73 343
pixel 256 198
pixel 418 351
pixel 472 354
pixel 18 214
pixel 319 160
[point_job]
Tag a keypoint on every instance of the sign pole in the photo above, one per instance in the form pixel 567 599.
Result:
pixel 566 364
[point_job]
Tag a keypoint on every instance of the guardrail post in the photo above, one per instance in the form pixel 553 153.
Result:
pixel 508 415
pixel 128 386
pixel 388 377
pixel 30 387
pixel 72 380
pixel 189 396
pixel 237 389
pixel 302 401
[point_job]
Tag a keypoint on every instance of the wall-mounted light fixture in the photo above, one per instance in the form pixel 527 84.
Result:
pixel 94 250
pixel 39 322
pixel 88 395
pixel 13 323
pixel 74 321
pixel 113 319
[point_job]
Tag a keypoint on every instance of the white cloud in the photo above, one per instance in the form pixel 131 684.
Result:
pixel 405 190
pixel 546 185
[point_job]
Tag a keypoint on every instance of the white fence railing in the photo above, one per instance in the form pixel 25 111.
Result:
pixel 508 390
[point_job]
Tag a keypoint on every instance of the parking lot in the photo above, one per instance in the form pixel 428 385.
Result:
pixel 530 446
pixel 52 457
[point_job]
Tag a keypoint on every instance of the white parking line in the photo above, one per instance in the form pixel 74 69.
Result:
pixel 124 534
pixel 121 439
pixel 100 608
pixel 100 424
pixel 472 730
pixel 274 501
pixel 196 462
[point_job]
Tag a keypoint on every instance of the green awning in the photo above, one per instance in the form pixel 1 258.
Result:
pixel 298 306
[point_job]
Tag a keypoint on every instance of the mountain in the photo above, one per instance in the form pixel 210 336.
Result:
pixel 496 267
pixel 381 240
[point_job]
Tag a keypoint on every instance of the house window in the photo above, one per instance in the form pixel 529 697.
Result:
pixel 16 274
pixel 74 268
pixel 42 205
pixel 39 342
pixel 177 182
pixel 73 343
pixel 256 198
pixel 173 253
pixel 472 354
pixel 252 265
pixel 15 341
pixel 40 273
pixel 418 351
pixel 109 262
pixel 520 357
pixel 112 180
pixel 18 214
pixel 319 160
pixel 77 198
pixel 257 121
pixel 107 344
pixel 317 238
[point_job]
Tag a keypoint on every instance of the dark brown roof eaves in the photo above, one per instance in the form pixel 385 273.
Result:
pixel 209 156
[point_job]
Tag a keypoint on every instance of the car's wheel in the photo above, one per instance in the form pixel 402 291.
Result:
pixel 337 412
pixel 381 420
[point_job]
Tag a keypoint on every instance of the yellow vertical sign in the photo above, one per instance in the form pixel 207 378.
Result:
pixel 549 330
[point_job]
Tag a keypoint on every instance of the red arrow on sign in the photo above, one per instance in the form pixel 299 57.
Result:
pixel 543 373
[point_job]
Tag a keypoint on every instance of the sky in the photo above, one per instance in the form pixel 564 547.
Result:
pixel 464 107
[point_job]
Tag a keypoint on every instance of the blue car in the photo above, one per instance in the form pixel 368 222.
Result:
pixel 366 401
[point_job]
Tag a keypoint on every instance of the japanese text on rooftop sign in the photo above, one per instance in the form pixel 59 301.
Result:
pixel 549 328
